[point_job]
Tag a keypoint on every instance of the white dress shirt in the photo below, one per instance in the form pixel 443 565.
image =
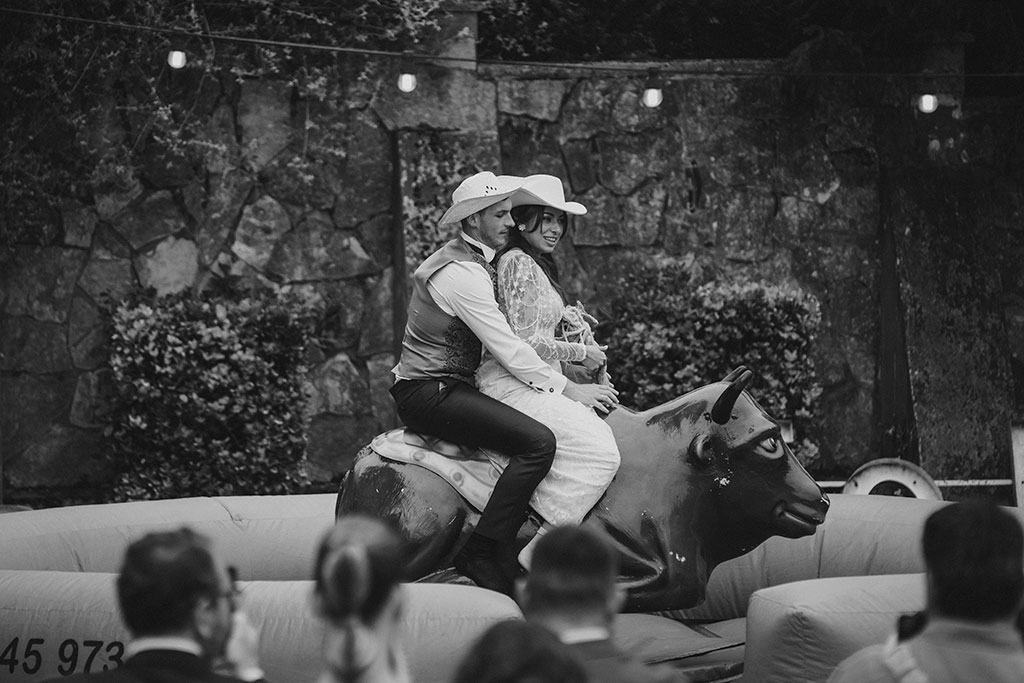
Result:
pixel 463 289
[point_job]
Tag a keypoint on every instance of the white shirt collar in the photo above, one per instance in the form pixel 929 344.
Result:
pixel 163 643
pixel 584 634
pixel 488 251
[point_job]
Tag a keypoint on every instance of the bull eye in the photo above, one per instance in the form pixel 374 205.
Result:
pixel 771 447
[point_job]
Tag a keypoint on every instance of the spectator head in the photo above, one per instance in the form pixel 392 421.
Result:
pixel 171 583
pixel 519 652
pixel 973 553
pixel 358 567
pixel 572 577
pixel 357 592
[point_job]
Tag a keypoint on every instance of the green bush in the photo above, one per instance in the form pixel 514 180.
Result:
pixel 208 395
pixel 669 337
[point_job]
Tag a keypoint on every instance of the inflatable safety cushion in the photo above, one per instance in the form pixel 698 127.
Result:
pixel 799 632
pixel 56 623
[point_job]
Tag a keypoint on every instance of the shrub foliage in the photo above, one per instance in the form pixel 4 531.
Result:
pixel 670 337
pixel 208 395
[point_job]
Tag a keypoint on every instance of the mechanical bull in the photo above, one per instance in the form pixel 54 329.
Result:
pixel 704 478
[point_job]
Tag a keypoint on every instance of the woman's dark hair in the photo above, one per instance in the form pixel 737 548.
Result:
pixel 531 216
pixel 358 565
pixel 520 652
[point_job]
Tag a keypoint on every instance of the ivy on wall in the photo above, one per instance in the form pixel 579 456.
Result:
pixel 430 168
pixel 87 101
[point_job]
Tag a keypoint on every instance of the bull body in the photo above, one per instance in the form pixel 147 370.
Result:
pixel 704 478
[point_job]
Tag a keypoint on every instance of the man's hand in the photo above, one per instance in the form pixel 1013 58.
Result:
pixel 600 397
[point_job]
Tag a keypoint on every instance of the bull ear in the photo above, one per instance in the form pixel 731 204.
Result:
pixel 700 451
pixel 736 372
pixel 722 410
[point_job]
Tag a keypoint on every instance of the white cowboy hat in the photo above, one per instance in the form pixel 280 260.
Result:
pixel 477 192
pixel 546 190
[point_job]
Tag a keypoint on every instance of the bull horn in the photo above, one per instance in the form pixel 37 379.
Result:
pixel 736 372
pixel 722 410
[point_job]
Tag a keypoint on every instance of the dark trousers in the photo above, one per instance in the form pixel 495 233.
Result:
pixel 456 411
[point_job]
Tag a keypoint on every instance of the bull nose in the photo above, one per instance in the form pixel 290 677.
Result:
pixel 812 512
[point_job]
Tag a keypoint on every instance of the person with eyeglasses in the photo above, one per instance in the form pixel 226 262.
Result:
pixel 180 604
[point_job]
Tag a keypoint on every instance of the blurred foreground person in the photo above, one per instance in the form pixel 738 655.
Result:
pixel 973 557
pixel 358 593
pixel 179 603
pixel 571 591
pixel 520 652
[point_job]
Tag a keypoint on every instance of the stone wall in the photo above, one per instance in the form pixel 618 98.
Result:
pixel 338 198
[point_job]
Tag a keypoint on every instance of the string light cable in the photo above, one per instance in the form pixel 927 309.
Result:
pixel 638 69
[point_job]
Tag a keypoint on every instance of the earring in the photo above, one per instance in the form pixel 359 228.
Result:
pixel 522 228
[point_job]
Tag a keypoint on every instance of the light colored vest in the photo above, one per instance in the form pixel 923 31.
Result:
pixel 437 344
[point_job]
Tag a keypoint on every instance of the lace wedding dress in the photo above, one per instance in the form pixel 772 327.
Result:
pixel 586 457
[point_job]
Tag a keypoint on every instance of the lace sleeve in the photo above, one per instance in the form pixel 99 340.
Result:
pixel 522 286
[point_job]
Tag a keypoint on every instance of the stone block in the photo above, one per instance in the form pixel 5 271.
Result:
pixel 27 345
pixel 739 217
pixel 262 224
pixel 539 99
pixel 87 335
pixel 39 282
pixel 597 105
pixel 344 309
pixel 61 456
pixel 91 403
pixel 228 193
pixel 150 221
pixel 376 335
pixel 529 147
pixel 30 404
pixel 113 194
pixel 381 380
pixel 444 100
pixel 333 441
pixel 79 224
pixel 110 277
pixel 580 161
pixel 736 156
pixel 313 251
pixel 108 245
pixel 366 184
pixel 169 267
pixel 628 161
pixel 377 236
pixel 338 387
pixel 633 220
pixel 264 120
pixel 221 137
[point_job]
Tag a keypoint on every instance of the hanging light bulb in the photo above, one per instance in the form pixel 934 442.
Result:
pixel 927 103
pixel 653 94
pixel 176 59
pixel 406 81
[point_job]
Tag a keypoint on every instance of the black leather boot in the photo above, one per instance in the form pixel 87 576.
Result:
pixel 482 561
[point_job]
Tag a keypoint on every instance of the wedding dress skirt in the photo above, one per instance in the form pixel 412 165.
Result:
pixel 586 456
